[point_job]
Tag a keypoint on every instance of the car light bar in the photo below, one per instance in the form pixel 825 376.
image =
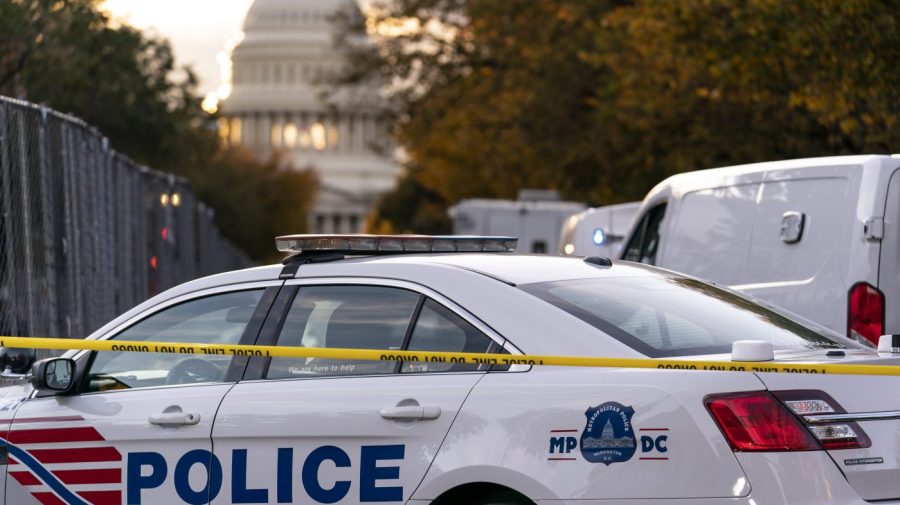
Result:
pixel 359 244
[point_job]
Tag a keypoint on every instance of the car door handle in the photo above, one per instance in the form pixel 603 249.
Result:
pixel 175 419
pixel 412 412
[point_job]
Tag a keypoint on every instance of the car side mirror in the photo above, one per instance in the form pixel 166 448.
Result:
pixel 16 362
pixel 54 374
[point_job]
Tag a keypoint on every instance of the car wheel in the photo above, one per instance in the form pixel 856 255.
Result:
pixel 504 498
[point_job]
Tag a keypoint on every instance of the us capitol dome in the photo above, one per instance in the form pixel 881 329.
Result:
pixel 276 104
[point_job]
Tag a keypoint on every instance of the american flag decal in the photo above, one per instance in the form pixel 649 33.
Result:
pixel 64 461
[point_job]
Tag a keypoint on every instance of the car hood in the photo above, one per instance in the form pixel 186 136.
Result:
pixel 11 396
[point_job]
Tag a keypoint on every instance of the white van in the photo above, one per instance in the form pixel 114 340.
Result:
pixel 598 231
pixel 819 237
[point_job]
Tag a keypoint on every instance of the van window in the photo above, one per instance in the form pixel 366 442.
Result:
pixel 645 242
pixel 668 315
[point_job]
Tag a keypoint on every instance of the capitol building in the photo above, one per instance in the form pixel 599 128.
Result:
pixel 277 105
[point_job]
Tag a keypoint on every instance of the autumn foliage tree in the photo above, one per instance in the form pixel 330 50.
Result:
pixel 603 99
pixel 256 200
pixel 69 56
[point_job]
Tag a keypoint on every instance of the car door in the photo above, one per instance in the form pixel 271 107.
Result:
pixel 342 431
pixel 138 429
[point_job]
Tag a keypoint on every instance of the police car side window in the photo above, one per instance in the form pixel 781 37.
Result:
pixel 216 319
pixel 356 317
pixel 439 329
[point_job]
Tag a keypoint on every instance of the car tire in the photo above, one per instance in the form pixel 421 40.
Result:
pixel 504 498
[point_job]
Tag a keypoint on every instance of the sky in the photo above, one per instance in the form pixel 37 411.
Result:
pixel 198 29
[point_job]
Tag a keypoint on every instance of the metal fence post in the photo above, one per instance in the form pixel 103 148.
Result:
pixel 49 292
pixel 9 310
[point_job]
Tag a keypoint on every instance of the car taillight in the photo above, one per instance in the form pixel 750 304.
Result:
pixel 865 312
pixel 757 421
pixel 814 408
pixel 783 421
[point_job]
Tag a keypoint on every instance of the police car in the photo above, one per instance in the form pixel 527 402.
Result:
pixel 153 428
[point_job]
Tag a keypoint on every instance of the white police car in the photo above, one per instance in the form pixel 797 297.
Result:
pixel 149 428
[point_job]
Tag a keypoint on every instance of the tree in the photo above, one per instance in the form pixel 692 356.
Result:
pixel 488 97
pixel 68 55
pixel 410 208
pixel 700 84
pixel 255 201
pixel 601 100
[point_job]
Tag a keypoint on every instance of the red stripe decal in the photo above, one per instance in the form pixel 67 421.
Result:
pixel 48 499
pixel 102 497
pixel 54 435
pixel 77 455
pixel 12 462
pixel 48 419
pixel 25 478
pixel 92 476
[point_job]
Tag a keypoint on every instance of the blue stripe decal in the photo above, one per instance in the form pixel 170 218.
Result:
pixel 58 487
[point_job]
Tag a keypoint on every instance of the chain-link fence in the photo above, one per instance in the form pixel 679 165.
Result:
pixel 86 233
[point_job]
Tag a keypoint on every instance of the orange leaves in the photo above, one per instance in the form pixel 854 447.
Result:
pixel 602 99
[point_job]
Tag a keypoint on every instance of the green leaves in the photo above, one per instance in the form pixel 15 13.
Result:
pixel 67 55
pixel 255 201
pixel 603 99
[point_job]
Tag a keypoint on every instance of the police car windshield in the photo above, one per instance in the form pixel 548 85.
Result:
pixel 666 315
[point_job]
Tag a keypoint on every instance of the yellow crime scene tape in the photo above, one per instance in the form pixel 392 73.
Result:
pixel 438 357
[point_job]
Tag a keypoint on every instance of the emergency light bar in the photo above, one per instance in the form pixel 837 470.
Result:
pixel 359 244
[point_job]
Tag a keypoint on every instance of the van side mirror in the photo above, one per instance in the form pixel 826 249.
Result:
pixel 54 374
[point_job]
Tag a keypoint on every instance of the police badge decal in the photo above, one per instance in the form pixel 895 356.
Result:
pixel 608 436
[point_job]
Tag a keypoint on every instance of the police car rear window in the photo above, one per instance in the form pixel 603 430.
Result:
pixel 663 316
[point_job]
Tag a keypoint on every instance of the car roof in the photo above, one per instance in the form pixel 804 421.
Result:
pixel 516 268
pixel 509 268
pixel 478 282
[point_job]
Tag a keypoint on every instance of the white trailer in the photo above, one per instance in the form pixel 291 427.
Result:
pixel 536 218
